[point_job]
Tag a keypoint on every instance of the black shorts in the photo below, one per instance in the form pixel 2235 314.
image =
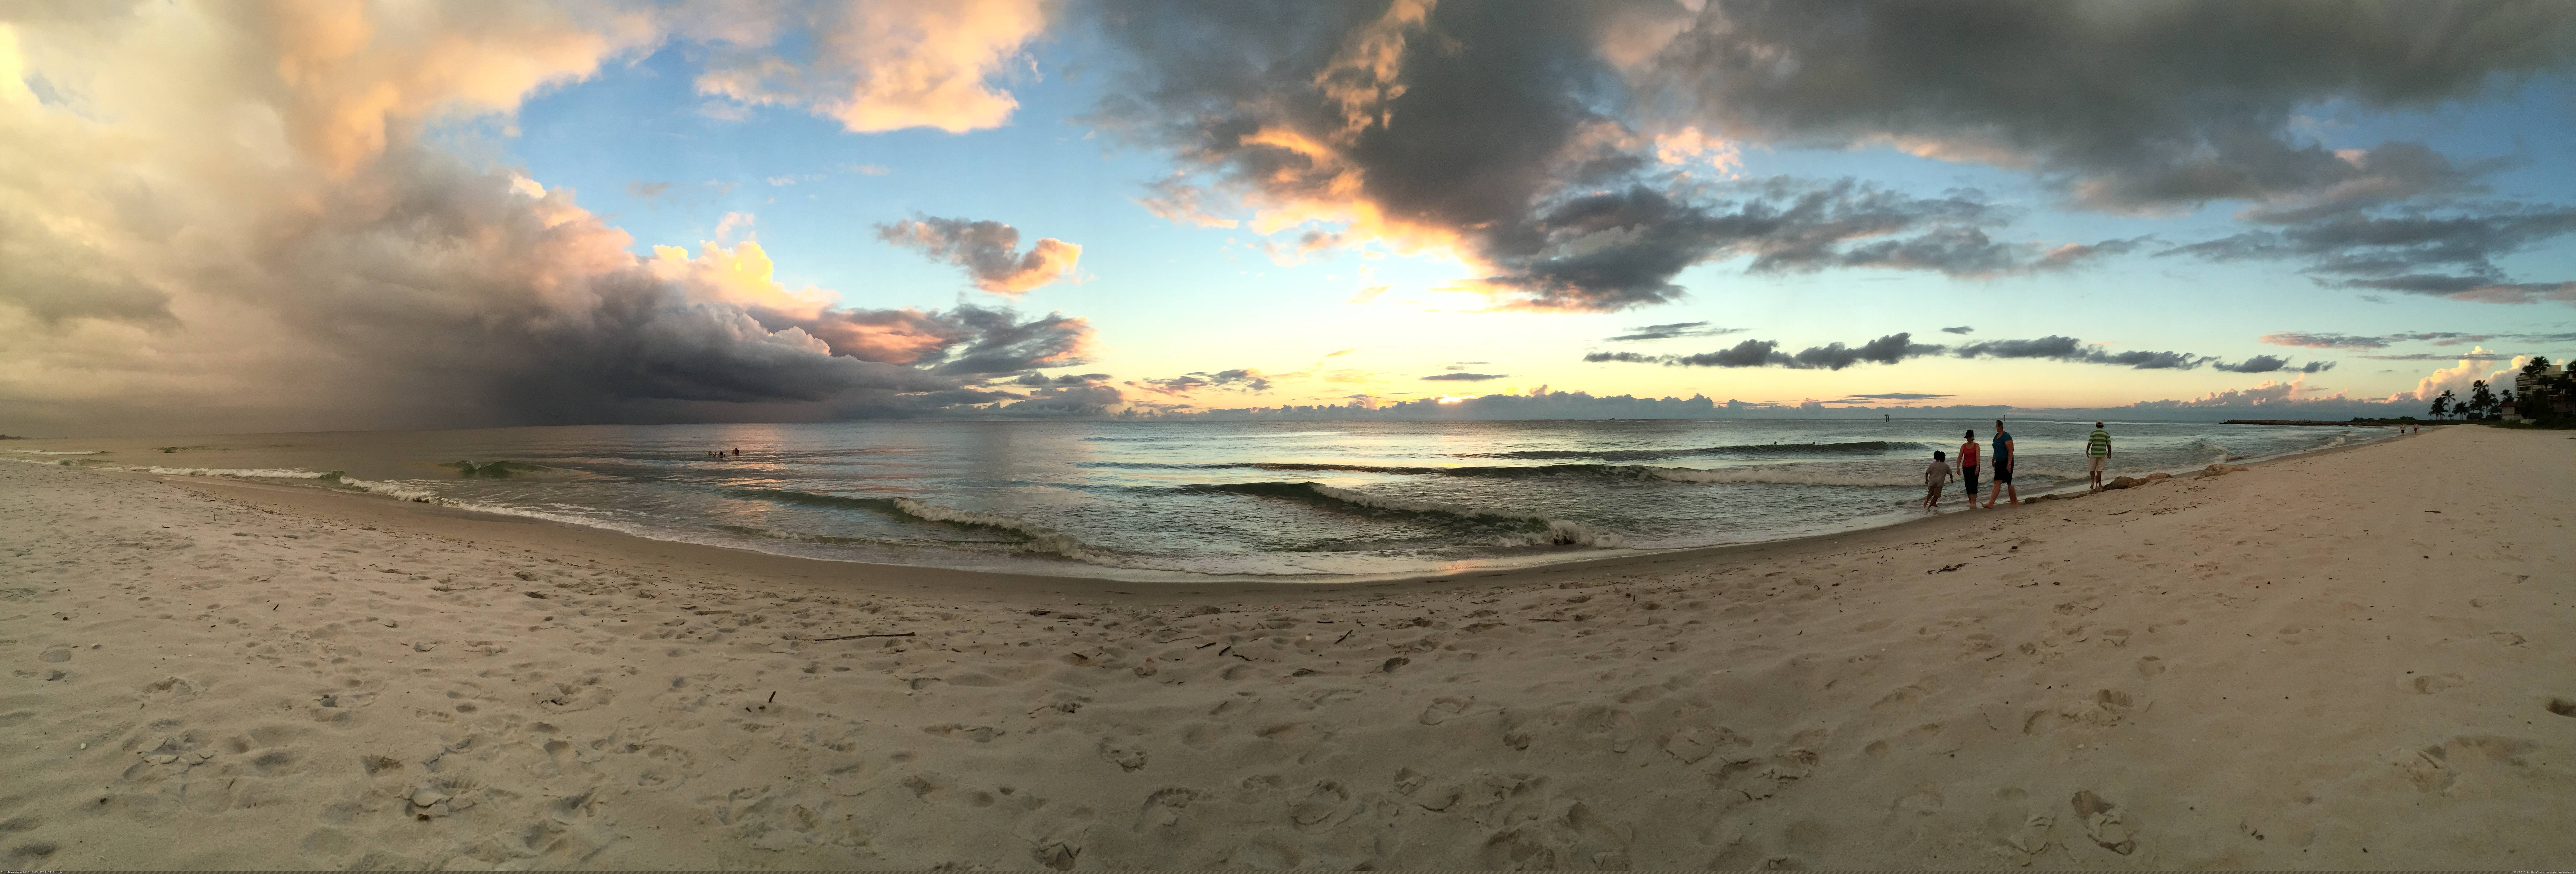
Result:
pixel 2003 474
pixel 1968 478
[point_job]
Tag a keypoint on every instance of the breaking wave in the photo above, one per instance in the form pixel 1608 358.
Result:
pixel 395 490
pixel 1756 450
pixel 241 472
pixel 1513 471
pixel 802 537
pixel 401 491
pixel 1032 536
pixel 1793 474
pixel 1533 530
pixel 60 451
pixel 495 469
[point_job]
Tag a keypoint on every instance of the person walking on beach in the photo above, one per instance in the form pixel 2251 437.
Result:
pixel 1968 468
pixel 2003 466
pixel 1935 477
pixel 2098 447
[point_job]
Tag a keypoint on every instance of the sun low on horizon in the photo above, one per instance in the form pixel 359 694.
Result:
pixel 239 217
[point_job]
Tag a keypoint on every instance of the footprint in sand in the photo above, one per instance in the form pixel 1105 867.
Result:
pixel 1325 805
pixel 2150 666
pixel 976 733
pixel 1126 755
pixel 2020 845
pixel 1443 709
pixel 2562 706
pixel 2432 683
pixel 2106 823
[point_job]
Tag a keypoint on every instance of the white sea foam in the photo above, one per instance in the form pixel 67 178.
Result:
pixel 401 491
pixel 61 451
pixel 239 472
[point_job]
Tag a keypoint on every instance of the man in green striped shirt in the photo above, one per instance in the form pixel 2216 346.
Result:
pixel 2098 447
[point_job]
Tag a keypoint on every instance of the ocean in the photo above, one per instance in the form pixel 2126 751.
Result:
pixel 1190 500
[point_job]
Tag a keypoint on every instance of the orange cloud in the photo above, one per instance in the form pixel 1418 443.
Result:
pixel 890 66
pixel 354 72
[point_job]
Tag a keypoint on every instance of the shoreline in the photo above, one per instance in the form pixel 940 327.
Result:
pixel 2307 664
pixel 1011 580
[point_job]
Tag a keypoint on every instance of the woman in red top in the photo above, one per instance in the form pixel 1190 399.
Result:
pixel 1968 466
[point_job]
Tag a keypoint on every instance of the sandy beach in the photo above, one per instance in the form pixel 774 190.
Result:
pixel 2353 659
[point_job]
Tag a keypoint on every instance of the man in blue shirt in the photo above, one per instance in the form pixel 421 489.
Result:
pixel 2003 468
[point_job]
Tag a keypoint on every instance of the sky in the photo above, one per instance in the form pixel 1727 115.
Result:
pixel 340 215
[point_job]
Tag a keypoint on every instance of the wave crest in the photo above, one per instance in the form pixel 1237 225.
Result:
pixel 240 472
pixel 1033 537
pixel 1859 447
pixel 1535 530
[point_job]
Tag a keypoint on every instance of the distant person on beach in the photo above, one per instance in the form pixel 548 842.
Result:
pixel 737 452
pixel 1968 468
pixel 2003 466
pixel 1935 477
pixel 2098 447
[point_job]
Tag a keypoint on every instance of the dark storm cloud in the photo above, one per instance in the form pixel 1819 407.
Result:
pixel 1750 353
pixel 1893 348
pixel 1618 249
pixel 1968 251
pixel 1765 353
pixel 1501 129
pixel 2063 348
pixel 2444 253
pixel 997 342
pixel 2126 106
pixel 1039 380
pixel 1884 350
pixel 1463 377
pixel 1676 329
pixel 2269 364
pixel 1251 380
pixel 969 341
pixel 385 281
pixel 1238 379
pixel 1054 401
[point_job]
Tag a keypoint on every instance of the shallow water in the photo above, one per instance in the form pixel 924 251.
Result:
pixel 1163 499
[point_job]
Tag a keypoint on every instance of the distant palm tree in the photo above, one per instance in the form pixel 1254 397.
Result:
pixel 2481 400
pixel 2443 404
